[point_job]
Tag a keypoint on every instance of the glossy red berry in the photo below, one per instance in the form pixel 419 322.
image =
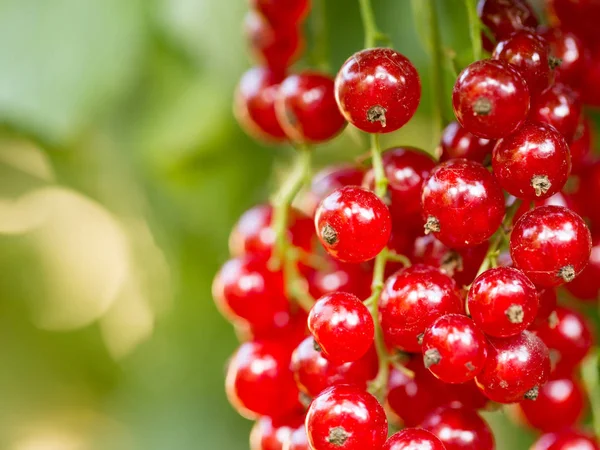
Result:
pixel 378 90
pixel 560 404
pixel 462 203
pixel 353 224
pixel 260 382
pixel 503 17
pixel 490 99
pixel 551 245
pixel 274 434
pixel 516 368
pixel 306 108
pixel 459 143
pixel 411 300
pixel 342 327
pixel 348 418
pixel 413 439
pixel 287 329
pixel 568 335
pixel 454 348
pixel 503 302
pixel 587 285
pixel 330 179
pixel 532 163
pixel 287 12
pixel 254 104
pixel 579 17
pixel 313 373
pixel 568 439
pixel 559 106
pixel 527 52
pixel 352 278
pixel 460 429
pixel 568 55
pixel 547 304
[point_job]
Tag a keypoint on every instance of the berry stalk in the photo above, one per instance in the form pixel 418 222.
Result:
pixel 372 33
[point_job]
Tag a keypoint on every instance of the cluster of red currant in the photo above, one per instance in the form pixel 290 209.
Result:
pixel 437 287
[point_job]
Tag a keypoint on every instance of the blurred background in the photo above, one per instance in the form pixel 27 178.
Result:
pixel 122 171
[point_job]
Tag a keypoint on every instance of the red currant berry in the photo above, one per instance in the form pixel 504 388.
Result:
pixel 588 192
pixel 490 99
pixel 516 368
pixel 288 330
pixel 568 335
pixel 559 405
pixel 413 439
pixel 503 302
pixel 352 278
pixel 587 285
pixel 255 104
pixel 405 168
pixel 353 224
pixel 274 434
pixel 590 94
pixel 503 17
pixel 558 199
pixel 559 106
pixel 579 17
pixel 287 12
pixel 462 203
pixel 529 54
pixel 348 418
pixel 460 429
pixel 566 440
pixel 330 179
pixel 259 381
pixel 459 143
pixel 342 327
pixel 306 108
pixel 378 90
pixel 551 244
pixel 547 304
pixel 454 349
pixel 314 373
pixel 411 300
pixel 534 162
pixel 568 55
pixel 581 147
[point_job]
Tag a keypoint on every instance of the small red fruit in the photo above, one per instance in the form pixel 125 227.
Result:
pixel 330 179
pixel 559 106
pixel 503 17
pixel 587 285
pixel 413 439
pixel 460 429
pixel 459 143
pixel 566 440
pixel 276 11
pixel 274 434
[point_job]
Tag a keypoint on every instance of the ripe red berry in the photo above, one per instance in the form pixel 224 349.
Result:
pixel 581 146
pixel 330 179
pixel 527 52
pixel 532 163
pixel 460 429
pixel 342 327
pixel 547 304
pixel 590 94
pixel 454 348
pixel 587 285
pixel 503 302
pixel 413 439
pixel 347 418
pixel 254 105
pixel 567 334
pixel 588 193
pixel 568 439
pixel 503 17
pixel 288 12
pixel 260 382
pixel 274 434
pixel 490 99
pixel 516 368
pixel 405 168
pixel 579 17
pixel 352 278
pixel 462 203
pixel 411 300
pixel 378 90
pixel 288 329
pixel 559 405
pixel 559 106
pixel 313 373
pixel 353 224
pixel 459 143
pixel 306 108
pixel 569 52
pixel 551 244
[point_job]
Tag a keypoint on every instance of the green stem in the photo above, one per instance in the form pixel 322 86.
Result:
pixel 381 181
pixel 590 371
pixel 474 28
pixel 320 50
pixel 437 76
pixel 372 33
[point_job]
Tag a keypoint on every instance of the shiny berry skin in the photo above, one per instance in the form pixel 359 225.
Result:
pixel 254 104
pixel 306 108
pixel 405 168
pixel 460 429
pixel 532 163
pixel 411 300
pixel 342 326
pixel 413 439
pixel 528 53
pixel 516 368
pixel 274 434
pixel 459 143
pixel 559 106
pixel 566 440
pixel 378 90
pixel 551 245
pixel 330 179
pixel 570 51
pixel 587 285
pixel 246 289
pixel 568 335
pixel 490 99
pixel 282 12
pixel 547 304
pixel 352 278
pixel 462 203
pixel 503 17
pixel 287 329
pixel 454 348
pixel 560 404
pixel 348 418
pixel 260 382
pixel 503 302
pixel 313 373
pixel 353 224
